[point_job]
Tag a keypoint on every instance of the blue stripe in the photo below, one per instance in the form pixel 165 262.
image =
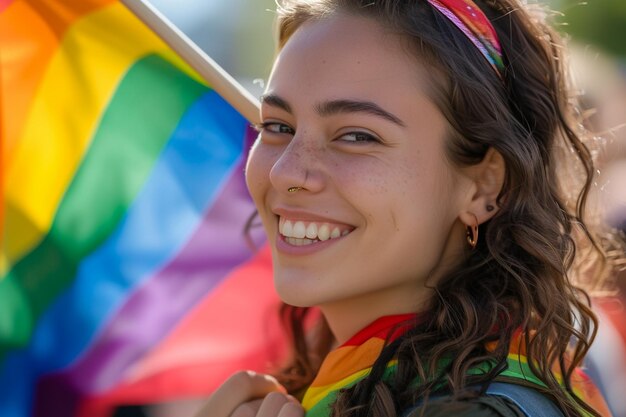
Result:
pixel 200 156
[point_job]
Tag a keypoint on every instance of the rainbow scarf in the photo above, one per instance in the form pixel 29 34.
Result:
pixel 124 268
pixel 353 361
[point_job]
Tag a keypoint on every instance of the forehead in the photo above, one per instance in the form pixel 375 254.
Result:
pixel 347 55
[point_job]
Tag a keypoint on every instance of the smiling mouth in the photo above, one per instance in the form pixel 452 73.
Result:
pixel 302 233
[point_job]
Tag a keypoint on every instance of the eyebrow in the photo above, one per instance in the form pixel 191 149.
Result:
pixel 329 108
pixel 275 101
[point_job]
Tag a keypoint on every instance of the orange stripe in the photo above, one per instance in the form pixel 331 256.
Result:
pixel 347 360
pixel 30 32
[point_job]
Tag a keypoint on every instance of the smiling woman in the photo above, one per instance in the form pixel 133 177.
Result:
pixel 406 176
pixel 372 166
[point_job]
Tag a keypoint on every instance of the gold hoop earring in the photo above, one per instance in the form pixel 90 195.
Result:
pixel 293 189
pixel 471 233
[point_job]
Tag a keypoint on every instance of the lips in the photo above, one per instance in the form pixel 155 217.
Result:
pixel 302 232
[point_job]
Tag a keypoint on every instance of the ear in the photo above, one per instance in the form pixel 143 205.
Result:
pixel 488 178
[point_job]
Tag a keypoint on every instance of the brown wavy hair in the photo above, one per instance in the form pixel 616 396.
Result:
pixel 528 270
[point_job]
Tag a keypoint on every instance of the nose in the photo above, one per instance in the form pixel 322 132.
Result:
pixel 299 165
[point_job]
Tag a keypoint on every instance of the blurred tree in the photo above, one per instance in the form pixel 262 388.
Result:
pixel 601 22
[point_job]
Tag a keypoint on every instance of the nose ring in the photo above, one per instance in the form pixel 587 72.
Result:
pixel 293 189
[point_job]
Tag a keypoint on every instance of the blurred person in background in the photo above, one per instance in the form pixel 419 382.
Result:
pixel 605 95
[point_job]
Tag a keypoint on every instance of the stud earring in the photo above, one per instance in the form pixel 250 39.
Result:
pixel 293 189
pixel 490 207
pixel 471 233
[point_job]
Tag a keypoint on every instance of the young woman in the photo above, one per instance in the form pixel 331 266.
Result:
pixel 421 173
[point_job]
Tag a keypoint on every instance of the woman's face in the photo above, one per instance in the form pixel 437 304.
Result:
pixel 346 118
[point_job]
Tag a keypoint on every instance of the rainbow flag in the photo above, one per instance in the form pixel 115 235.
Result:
pixel 125 273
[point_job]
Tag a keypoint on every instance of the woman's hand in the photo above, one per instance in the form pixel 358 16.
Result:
pixel 248 394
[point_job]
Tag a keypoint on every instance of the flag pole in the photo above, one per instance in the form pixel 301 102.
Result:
pixel 222 82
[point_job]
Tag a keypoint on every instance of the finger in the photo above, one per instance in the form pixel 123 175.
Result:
pixel 293 399
pixel 272 404
pixel 249 409
pixel 242 387
pixel 291 409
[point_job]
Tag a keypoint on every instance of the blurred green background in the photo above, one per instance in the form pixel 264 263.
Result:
pixel 598 22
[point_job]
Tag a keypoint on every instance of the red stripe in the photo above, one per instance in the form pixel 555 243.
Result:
pixel 2 142
pixel 4 4
pixel 384 327
pixel 614 308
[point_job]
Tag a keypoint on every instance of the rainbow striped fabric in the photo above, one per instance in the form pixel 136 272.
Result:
pixel 125 273
pixel 475 25
pixel 353 361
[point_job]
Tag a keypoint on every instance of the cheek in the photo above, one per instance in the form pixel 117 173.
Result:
pixel 409 200
pixel 363 179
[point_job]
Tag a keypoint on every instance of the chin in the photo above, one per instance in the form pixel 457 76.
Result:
pixel 292 288
pixel 296 302
pixel 295 297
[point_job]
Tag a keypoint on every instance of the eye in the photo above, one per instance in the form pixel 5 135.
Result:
pixel 359 137
pixel 275 127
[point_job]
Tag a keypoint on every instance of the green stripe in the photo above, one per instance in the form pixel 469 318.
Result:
pixel 521 371
pixel 139 120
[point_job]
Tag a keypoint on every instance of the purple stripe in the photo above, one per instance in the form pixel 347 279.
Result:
pixel 155 308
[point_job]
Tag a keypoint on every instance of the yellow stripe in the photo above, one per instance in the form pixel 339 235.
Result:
pixel 314 395
pixel 83 74
pixel 518 357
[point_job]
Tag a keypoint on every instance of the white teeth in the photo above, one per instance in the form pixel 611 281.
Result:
pixel 323 233
pixel 311 231
pixel 299 230
pixel 287 228
pixel 299 233
pixel 298 242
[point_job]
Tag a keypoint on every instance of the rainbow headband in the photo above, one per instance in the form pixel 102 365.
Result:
pixel 470 20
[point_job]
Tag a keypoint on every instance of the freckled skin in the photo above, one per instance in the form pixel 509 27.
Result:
pixel 400 193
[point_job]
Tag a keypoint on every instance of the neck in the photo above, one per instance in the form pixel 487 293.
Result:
pixel 347 317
